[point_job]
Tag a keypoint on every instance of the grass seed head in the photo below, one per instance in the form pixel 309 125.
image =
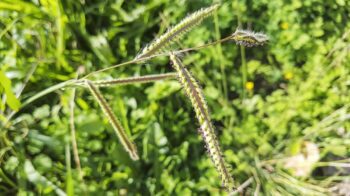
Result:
pixel 177 31
pixel 207 131
pixel 249 38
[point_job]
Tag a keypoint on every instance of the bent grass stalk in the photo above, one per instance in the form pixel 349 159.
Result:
pixel 194 92
pixel 128 145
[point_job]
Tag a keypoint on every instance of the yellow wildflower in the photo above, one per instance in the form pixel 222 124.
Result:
pixel 284 25
pixel 249 85
pixel 288 75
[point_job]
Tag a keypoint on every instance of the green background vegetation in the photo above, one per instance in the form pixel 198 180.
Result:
pixel 300 98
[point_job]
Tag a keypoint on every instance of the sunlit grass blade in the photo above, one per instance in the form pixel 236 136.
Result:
pixel 36 178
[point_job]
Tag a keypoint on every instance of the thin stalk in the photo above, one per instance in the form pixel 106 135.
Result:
pixel 28 76
pixel 244 185
pixel 243 61
pixel 47 91
pixel 244 72
pixel 220 56
pixel 69 177
pixel 6 179
pixel 73 134
pixel 333 164
pixel 39 95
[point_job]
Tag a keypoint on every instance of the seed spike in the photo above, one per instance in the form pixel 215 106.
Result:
pixel 130 80
pixel 194 92
pixel 249 38
pixel 128 145
pixel 175 32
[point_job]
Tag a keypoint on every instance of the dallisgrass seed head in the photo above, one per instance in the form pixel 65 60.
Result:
pixel 194 92
pixel 130 80
pixel 249 38
pixel 175 32
pixel 128 145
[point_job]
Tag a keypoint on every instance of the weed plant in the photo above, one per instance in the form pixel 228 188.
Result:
pixel 254 155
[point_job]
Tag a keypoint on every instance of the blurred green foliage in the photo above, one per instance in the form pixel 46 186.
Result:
pixel 300 96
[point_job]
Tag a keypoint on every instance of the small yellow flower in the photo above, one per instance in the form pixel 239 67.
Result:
pixel 249 85
pixel 288 75
pixel 284 25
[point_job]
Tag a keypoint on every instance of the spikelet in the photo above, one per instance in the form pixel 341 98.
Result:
pixel 130 80
pixel 249 38
pixel 113 120
pixel 184 26
pixel 194 92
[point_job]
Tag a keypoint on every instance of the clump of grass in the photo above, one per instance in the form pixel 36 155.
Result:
pixel 194 92
pixel 191 86
pixel 128 145
pixel 175 32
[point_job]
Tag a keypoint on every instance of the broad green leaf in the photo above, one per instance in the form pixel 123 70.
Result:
pixel 11 99
pixel 4 81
